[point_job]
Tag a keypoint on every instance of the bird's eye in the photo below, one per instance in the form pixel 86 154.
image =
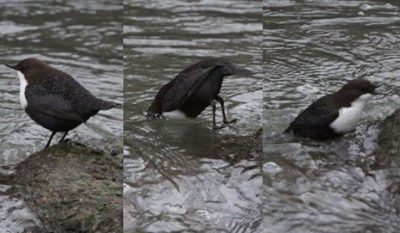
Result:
pixel 24 68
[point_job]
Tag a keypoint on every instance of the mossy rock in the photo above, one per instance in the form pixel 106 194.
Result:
pixel 74 188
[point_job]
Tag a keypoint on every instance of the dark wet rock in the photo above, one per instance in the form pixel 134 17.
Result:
pixel 202 142
pixel 74 188
pixel 388 152
pixel 394 187
pixel 237 148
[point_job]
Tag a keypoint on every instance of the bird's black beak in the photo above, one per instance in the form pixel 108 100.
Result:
pixel 11 66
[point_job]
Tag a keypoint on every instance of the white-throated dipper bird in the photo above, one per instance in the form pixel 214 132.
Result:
pixel 54 99
pixel 194 89
pixel 336 114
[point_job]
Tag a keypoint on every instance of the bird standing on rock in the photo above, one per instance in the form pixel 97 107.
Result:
pixel 194 89
pixel 54 99
pixel 336 114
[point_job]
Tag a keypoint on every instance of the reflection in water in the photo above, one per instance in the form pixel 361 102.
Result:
pixel 312 48
pixel 82 38
pixel 182 176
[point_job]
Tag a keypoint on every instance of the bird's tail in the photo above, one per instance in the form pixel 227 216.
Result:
pixel 241 71
pixel 106 105
pixel 231 69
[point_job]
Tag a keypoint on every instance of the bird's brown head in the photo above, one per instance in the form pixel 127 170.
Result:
pixel 29 67
pixel 362 86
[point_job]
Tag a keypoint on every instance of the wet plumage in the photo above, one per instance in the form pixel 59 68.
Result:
pixel 194 89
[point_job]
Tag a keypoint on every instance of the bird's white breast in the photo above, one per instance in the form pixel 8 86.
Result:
pixel 349 117
pixel 22 86
pixel 176 114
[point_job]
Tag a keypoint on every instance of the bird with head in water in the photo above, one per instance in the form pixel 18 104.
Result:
pixel 54 99
pixel 335 114
pixel 194 89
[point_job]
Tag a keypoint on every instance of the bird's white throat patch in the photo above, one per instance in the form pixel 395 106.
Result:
pixel 22 86
pixel 349 117
pixel 176 114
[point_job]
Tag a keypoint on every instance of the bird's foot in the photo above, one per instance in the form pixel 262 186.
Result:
pixel 226 123
pixel 70 142
pixel 78 144
pixel 215 127
pixel 65 141
pixel 231 121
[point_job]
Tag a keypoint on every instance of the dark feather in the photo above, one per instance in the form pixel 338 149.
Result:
pixel 314 121
pixel 187 84
pixel 193 89
pixel 50 104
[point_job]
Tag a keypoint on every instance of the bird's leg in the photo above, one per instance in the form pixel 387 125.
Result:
pixel 214 109
pixel 63 137
pixel 51 137
pixel 221 101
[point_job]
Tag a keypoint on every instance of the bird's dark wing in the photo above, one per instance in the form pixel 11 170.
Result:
pixel 40 100
pixel 83 102
pixel 205 64
pixel 172 95
pixel 60 82
pixel 317 116
pixel 184 85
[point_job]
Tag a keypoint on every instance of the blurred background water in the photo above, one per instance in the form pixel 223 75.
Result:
pixel 182 176
pixel 82 38
pixel 312 48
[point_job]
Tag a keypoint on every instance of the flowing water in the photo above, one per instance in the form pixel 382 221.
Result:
pixel 312 48
pixel 182 176
pixel 82 38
